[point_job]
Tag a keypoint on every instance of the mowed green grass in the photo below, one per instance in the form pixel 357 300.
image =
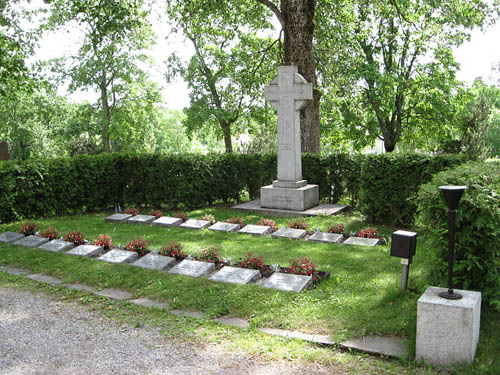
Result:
pixel 362 296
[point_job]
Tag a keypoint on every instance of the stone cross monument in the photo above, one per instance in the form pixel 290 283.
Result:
pixel 287 93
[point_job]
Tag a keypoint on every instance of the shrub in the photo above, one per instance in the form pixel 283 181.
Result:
pixel 75 237
pixel 157 214
pixel 138 245
pixel 50 233
pixel 303 266
pixel 336 228
pixel 210 218
pixel 174 250
pixel 252 261
pixel 267 223
pixel 210 254
pixel 236 220
pixel 29 228
pixel 368 233
pixel 132 211
pixel 298 224
pixel 181 215
pixel 105 241
pixel 477 250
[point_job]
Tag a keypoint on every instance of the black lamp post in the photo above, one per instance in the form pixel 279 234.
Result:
pixel 452 195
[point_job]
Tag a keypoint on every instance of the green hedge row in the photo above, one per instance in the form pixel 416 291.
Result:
pixel 389 184
pixel 95 182
pixel 477 239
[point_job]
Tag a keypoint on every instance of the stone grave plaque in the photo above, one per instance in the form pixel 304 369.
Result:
pixel 326 237
pixel 235 275
pixel 154 262
pixel 87 251
pixel 290 233
pixel 118 218
pixel 119 256
pixel 195 224
pixel 141 219
pixel 359 241
pixel 166 221
pixel 224 227
pixel 31 241
pixel 258 230
pixel 56 246
pixel 288 282
pixel 192 268
pixel 8 237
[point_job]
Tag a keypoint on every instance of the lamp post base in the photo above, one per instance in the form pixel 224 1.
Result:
pixel 450 294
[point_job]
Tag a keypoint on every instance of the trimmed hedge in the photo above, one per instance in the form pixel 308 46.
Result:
pixel 96 182
pixel 389 184
pixel 477 238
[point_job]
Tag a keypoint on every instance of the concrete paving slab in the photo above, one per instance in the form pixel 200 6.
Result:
pixel 321 209
pixel 14 271
pixel 192 314
pixel 45 279
pixel 117 294
pixel 387 346
pixel 317 339
pixel 146 302
pixel 234 322
pixel 82 287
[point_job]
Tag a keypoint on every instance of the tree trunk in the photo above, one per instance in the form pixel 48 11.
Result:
pixel 226 130
pixel 106 114
pixel 298 17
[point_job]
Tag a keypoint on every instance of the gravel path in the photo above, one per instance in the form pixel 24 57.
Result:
pixel 40 335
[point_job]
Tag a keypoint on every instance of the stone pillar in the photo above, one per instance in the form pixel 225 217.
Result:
pixel 447 330
pixel 288 93
pixel 4 150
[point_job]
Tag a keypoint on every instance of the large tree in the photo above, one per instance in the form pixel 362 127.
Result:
pixel 117 33
pixel 399 59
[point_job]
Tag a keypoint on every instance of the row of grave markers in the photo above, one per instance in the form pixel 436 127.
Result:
pixel 282 232
pixel 187 267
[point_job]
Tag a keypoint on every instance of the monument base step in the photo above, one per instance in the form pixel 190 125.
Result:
pixel 321 209
pixel 297 199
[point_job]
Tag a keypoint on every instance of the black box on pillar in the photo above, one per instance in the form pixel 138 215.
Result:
pixel 404 244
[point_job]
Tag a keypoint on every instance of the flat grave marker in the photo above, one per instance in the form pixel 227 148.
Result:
pixel 292 233
pixel 118 218
pixel 288 282
pixel 224 227
pixel 56 246
pixel 9 237
pixel 117 256
pixel 235 275
pixel 154 262
pixel 87 251
pixel 257 230
pixel 141 219
pixel 31 241
pixel 166 221
pixel 195 224
pixel 192 268
pixel 360 241
pixel 326 237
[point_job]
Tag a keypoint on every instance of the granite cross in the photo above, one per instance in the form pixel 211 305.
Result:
pixel 287 94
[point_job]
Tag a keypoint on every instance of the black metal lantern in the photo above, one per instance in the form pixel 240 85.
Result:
pixel 452 196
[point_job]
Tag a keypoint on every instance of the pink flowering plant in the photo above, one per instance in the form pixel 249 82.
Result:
pixel 156 213
pixel 297 224
pixel 209 217
pixel 368 233
pixel 303 266
pixel 336 228
pixel 252 261
pixel 210 254
pixel 174 250
pixel 132 211
pixel 267 223
pixel 50 233
pixel 236 220
pixel 138 245
pixel 29 228
pixel 75 237
pixel 105 241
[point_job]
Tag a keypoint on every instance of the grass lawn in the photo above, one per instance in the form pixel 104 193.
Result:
pixel 362 296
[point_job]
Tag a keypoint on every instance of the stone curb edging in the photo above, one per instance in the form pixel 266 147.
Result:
pixel 386 346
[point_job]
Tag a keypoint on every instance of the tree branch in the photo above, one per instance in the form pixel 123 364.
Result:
pixel 275 10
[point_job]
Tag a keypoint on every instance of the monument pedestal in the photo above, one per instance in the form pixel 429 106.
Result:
pixel 447 330
pixel 288 198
